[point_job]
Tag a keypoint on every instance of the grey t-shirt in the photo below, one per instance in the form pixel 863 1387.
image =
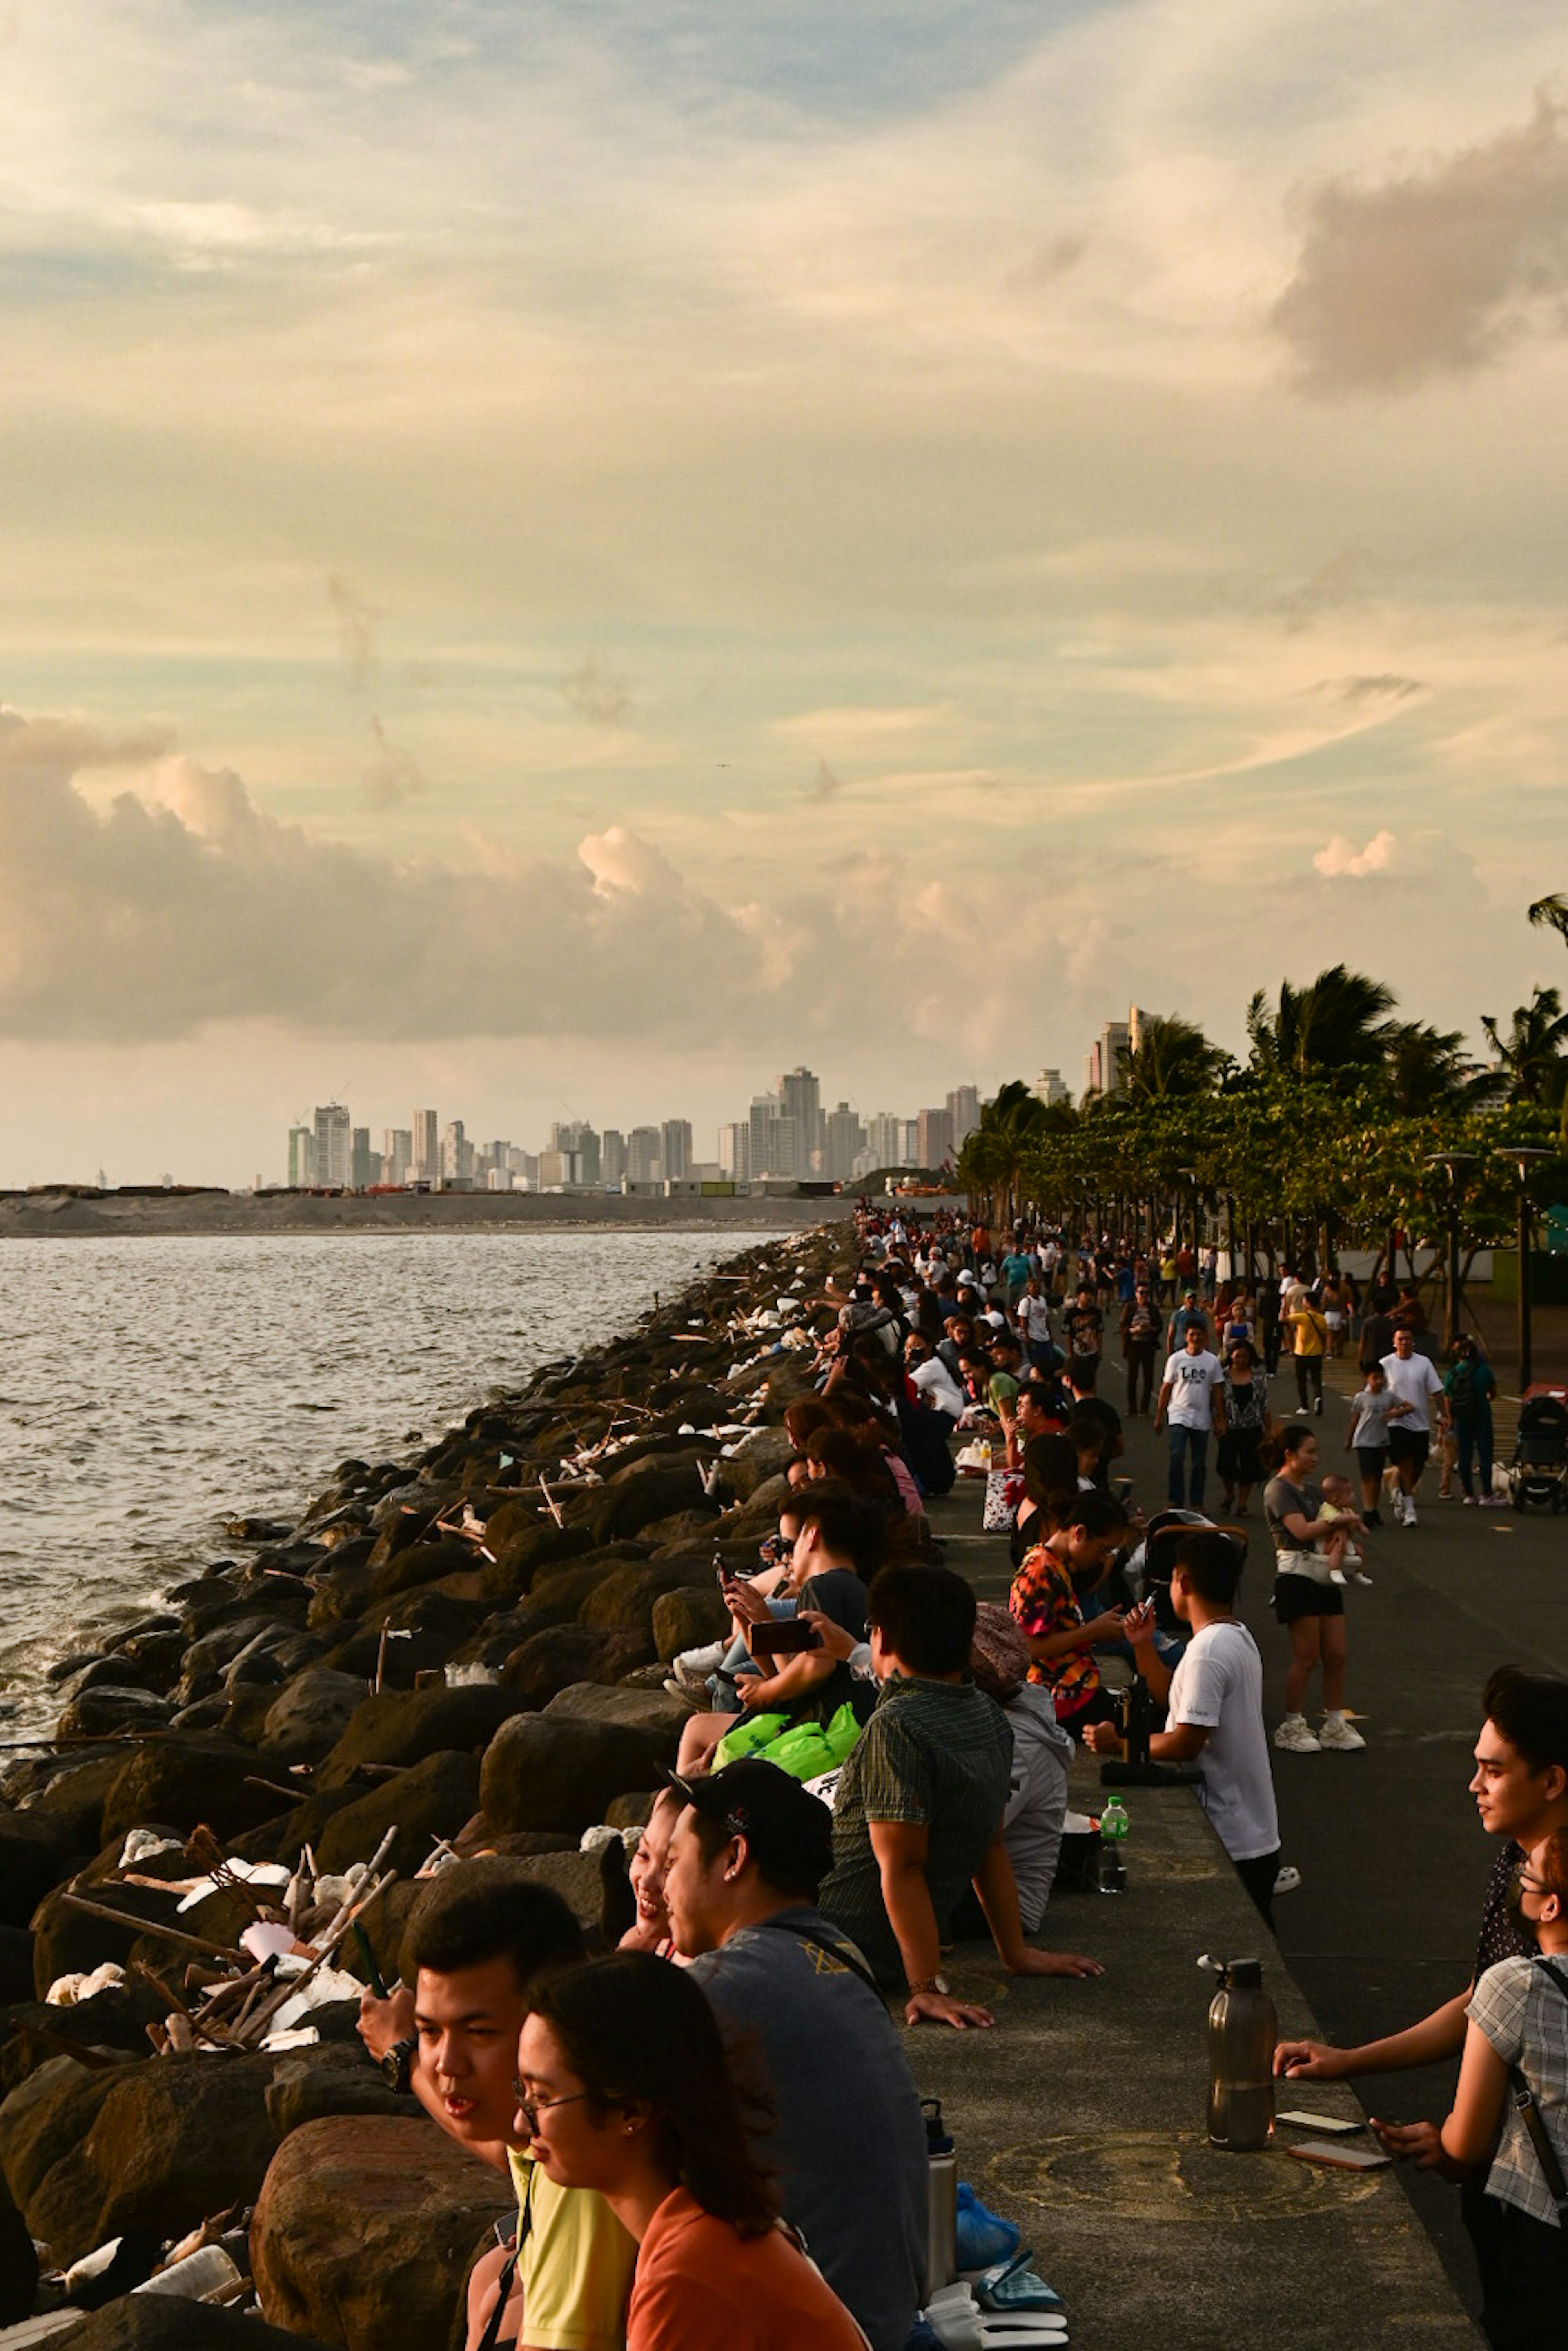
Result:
pixel 848 2143
pixel 1281 1500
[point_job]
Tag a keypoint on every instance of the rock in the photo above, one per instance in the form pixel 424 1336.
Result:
pixel 450 1614
pixel 756 1459
pixel 433 1798
pixel 172 2140
pixel 682 1528
pixel 312 1714
pixel 19 2264
pixel 166 2322
pixel 758 1515
pixel 44 2118
pixel 36 1853
pixel 423 1563
pixel 340 1594
pixel 522 1545
pixel 547 1662
pixel 206 1659
pixel 328 2081
pixel 399 1664
pixel 402 1727
pixel 72 1791
pixel 16 1964
pixel 633 1498
pixel 634 1709
pixel 688 1618
pixel 624 1602
pixel 157 1652
pixel 576 1876
pixel 553 1772
pixel 179 1781
pixel 379 2259
pixel 113 1672
pixel 96 1711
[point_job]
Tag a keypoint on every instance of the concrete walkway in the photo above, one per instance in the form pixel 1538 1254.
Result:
pixel 1082 2116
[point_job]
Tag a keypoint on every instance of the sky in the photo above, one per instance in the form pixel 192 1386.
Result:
pixel 560 561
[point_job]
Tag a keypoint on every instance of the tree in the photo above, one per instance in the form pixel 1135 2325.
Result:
pixel 1551 914
pixel 1172 1061
pixel 994 1156
pixel 1337 1023
pixel 1427 1068
pixel 1533 1054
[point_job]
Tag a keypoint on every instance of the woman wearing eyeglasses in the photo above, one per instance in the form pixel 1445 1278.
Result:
pixel 623 2087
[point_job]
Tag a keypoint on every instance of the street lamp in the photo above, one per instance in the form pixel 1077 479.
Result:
pixel 1187 1176
pixel 1456 1166
pixel 1522 1156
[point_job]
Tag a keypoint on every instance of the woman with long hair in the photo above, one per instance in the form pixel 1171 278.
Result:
pixel 623 2087
pixel 1308 1600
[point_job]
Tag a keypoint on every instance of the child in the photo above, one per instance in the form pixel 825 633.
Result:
pixel 1368 1435
pixel 1344 1560
pixel 1516 2027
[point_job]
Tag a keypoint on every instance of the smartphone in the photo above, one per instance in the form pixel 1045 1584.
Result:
pixel 1331 2126
pixel 788 1639
pixel 1341 2159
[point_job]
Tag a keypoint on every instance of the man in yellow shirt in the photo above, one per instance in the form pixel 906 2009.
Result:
pixel 477 1943
pixel 1309 1339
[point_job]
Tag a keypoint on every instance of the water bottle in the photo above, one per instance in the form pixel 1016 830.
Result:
pixel 1112 1832
pixel 1138 1719
pixel 1242 2031
pixel 941 2202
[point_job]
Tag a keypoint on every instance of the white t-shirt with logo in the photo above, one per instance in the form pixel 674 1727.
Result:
pixel 1415 1383
pixel 1034 1313
pixel 936 1382
pixel 1192 1381
pixel 1219 1687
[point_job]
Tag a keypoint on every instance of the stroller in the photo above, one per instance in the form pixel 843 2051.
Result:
pixel 1539 1469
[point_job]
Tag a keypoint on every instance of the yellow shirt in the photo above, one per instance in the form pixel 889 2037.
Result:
pixel 576 2264
pixel 1311 1330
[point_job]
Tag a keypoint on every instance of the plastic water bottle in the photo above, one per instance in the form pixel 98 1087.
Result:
pixel 1114 1827
pixel 942 2200
pixel 1242 2031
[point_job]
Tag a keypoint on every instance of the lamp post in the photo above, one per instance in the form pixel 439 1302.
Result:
pixel 1456 1166
pixel 1522 1156
pixel 1187 1176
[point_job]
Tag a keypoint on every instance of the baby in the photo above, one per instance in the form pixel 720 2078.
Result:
pixel 1339 1501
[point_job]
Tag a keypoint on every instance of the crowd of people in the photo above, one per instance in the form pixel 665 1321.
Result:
pixel 713 2131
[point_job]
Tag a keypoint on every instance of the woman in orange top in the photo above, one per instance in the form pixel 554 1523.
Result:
pixel 623 2087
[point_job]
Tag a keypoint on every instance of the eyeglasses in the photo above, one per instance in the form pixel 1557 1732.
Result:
pixel 531 2109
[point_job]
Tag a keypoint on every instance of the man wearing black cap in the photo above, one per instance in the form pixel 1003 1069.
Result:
pixel 848 2143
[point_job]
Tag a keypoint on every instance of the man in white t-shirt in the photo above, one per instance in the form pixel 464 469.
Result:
pixel 1414 1384
pixel 1214 1705
pixel 1191 1401
pixel 1032 1315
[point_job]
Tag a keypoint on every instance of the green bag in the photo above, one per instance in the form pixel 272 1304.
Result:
pixel 804 1750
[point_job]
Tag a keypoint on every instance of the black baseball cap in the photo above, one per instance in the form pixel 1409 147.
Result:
pixel 789 1831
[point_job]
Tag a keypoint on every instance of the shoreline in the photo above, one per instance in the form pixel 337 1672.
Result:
pixel 46 1216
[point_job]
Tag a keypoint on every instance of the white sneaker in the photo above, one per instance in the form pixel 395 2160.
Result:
pixel 1338 1575
pixel 1337 1733
pixel 1287 1879
pixel 1409 1509
pixel 704 1660
pixel 1294 1735
pixel 1362 1578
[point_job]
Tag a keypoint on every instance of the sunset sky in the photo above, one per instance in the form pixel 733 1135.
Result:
pixel 560 559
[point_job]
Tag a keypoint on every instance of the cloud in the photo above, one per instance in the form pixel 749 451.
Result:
pixel 1360 693
pixel 1437 271
pixel 825 785
pixel 1339 857
pixel 597 693
pixel 393 776
pixel 44 748
pixel 357 619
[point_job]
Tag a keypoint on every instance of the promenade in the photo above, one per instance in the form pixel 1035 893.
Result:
pixel 1084 2110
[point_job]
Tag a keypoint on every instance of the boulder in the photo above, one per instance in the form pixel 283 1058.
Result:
pixel 16 1964
pixel 624 1602
pixel 340 1594
pixel 423 1563
pixel 653 1710
pixel 756 1459
pixel 19 2264
pixel 520 1545
pixel 167 2322
pixel 433 1798
pixel 306 1721
pixel 94 1713
pixel 45 2117
pixel 633 1498
pixel 452 1610
pixel 403 1726
pixel 66 1939
pixel 688 1618
pixel 682 1528
pixel 549 1661
pixel 36 1853
pixel 557 1773
pixel 758 1514
pixel 577 1877
pixel 172 2140
pixel 365 2228
pixel 112 1672
pixel 156 1650
pixel 336 2080
pixel 74 1792
pixel 400 1662
pixel 179 1781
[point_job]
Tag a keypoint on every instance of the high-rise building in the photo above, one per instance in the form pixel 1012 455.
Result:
pixel 675 1148
pixel 800 1099
pixel 427 1147
pixel 301 1158
pixel 397 1154
pixel 1104 1061
pixel 934 1139
pixel 963 1113
pixel 578 1137
pixel 642 1164
pixel 843 1139
pixel 612 1157
pixel 364 1165
pixel 1052 1088
pixel 457 1155
pixel 333 1145
pixel 557 1169
pixel 734 1151
pixel 886 1140
pixel 776 1147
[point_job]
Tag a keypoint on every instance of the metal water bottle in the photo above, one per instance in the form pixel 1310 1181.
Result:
pixel 1242 2031
pixel 941 2200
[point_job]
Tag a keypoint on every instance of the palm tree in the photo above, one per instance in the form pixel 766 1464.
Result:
pixel 992 1159
pixel 1427 1068
pixel 1337 1023
pixel 1172 1061
pixel 1551 914
pixel 1533 1067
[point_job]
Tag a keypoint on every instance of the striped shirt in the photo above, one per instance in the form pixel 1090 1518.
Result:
pixel 937 1755
pixel 1524 2015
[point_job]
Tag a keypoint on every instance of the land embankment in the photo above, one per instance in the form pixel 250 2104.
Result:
pixel 33 1216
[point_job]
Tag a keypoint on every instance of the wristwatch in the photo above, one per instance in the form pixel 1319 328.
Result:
pixel 931 1984
pixel 397 2066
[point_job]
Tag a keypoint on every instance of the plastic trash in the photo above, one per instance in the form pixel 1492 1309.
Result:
pixel 201 2277
pixel 267 1941
pixel 145 1845
pixel 67 1991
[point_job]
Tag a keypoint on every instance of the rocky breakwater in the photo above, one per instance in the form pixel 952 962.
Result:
pixel 460 1655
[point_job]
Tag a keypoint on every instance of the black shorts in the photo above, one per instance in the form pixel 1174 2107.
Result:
pixel 1409 1445
pixel 1371 1460
pixel 1237 1457
pixel 1296 1597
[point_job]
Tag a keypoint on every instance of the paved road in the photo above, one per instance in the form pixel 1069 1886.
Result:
pixel 1392 1860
